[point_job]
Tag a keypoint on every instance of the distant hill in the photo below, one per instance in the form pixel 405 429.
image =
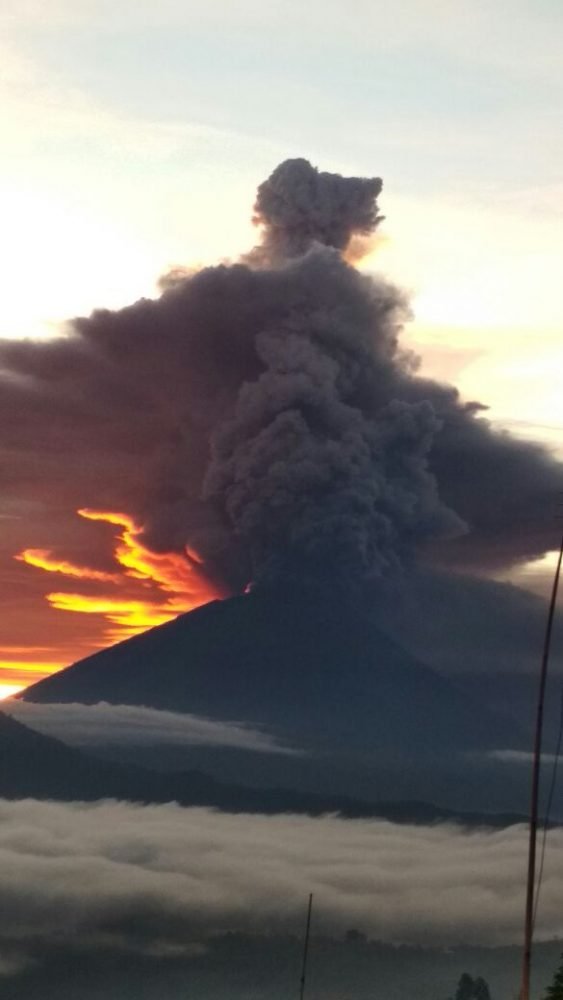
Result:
pixel 37 766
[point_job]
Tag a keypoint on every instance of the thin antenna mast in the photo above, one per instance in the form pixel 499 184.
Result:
pixel 536 765
pixel 306 948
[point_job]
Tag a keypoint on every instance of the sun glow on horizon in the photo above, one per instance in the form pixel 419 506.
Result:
pixel 19 674
pixel 8 690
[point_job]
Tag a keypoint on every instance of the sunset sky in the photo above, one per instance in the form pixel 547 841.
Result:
pixel 134 142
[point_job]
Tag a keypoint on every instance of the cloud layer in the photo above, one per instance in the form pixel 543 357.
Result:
pixel 131 725
pixel 144 874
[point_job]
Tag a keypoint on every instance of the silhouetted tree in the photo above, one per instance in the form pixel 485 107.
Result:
pixel 555 990
pixel 354 936
pixel 481 989
pixel 476 989
pixel 465 987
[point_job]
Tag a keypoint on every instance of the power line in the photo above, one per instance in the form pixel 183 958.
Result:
pixel 548 808
pixel 536 766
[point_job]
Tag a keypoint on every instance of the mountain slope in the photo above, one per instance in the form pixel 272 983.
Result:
pixel 37 766
pixel 318 674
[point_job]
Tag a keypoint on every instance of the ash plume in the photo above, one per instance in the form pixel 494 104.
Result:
pixel 299 205
pixel 315 473
pixel 263 416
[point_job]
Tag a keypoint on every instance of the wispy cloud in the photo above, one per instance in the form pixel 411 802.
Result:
pixel 519 757
pixel 122 725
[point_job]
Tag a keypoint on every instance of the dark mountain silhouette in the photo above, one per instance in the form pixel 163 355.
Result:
pixel 315 672
pixel 370 721
pixel 37 766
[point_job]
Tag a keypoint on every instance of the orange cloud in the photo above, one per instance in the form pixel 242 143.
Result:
pixel 169 583
pixel 181 575
pixel 42 559
pixel 130 615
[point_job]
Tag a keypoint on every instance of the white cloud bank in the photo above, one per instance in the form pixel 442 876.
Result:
pixel 154 876
pixel 132 725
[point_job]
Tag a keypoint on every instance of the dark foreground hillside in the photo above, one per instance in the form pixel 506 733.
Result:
pixel 237 966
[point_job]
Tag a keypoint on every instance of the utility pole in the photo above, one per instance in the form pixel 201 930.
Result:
pixel 306 948
pixel 536 765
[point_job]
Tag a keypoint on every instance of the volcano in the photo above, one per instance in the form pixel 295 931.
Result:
pixel 361 714
pixel 309 669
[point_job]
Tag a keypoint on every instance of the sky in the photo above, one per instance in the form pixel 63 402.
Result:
pixel 133 141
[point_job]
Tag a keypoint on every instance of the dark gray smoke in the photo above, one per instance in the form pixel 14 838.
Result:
pixel 299 205
pixel 264 415
pixel 315 472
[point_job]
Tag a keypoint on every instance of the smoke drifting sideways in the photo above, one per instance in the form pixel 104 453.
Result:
pixel 263 415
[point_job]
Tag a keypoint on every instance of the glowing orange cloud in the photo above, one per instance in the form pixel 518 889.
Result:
pixel 171 582
pixel 42 559
pixel 131 616
pixel 181 575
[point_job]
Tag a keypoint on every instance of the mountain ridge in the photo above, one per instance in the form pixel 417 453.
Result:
pixel 36 766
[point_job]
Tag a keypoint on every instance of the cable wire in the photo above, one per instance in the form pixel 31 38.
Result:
pixel 548 808
pixel 535 786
